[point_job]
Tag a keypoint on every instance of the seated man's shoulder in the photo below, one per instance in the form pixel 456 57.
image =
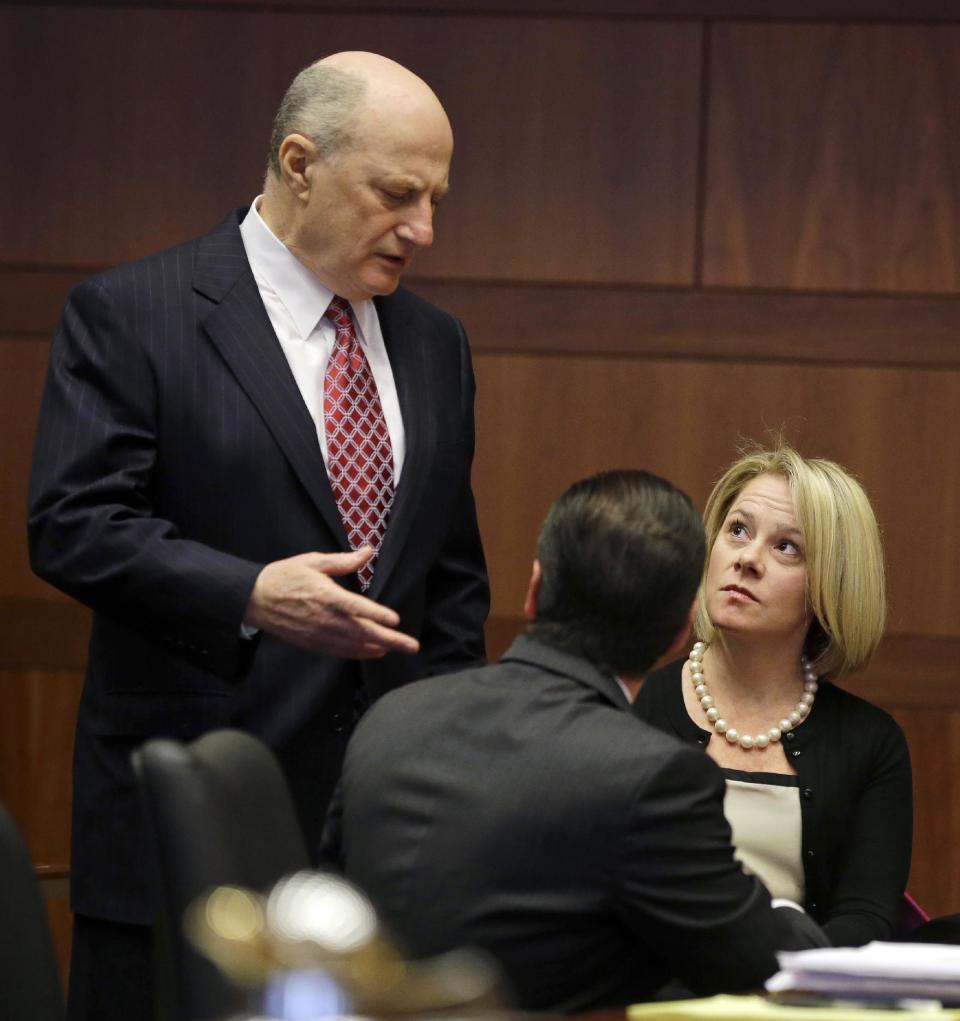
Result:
pixel 666 755
pixel 411 698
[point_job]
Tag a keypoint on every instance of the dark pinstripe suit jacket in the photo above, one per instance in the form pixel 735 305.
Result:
pixel 174 458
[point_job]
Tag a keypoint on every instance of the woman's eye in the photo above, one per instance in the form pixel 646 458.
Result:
pixel 738 529
pixel 786 546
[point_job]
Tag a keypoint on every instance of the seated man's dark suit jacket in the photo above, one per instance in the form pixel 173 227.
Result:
pixel 174 459
pixel 522 809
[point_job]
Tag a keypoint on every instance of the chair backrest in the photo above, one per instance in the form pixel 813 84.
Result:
pixel 218 812
pixel 29 980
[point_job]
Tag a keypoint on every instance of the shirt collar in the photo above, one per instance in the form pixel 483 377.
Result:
pixel 302 294
pixel 627 693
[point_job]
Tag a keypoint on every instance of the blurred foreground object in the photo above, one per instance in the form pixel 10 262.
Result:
pixel 216 811
pixel 29 982
pixel 315 948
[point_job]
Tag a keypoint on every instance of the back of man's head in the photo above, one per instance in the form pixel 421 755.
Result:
pixel 621 554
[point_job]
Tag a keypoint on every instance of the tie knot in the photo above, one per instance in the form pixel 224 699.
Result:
pixel 338 312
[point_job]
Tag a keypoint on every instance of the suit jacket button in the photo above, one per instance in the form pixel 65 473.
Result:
pixel 807 793
pixel 796 753
pixel 790 736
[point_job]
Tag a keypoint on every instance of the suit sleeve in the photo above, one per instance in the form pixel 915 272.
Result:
pixel 92 528
pixel 873 864
pixel 457 591
pixel 689 901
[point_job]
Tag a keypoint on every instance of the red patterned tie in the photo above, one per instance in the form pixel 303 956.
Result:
pixel 359 455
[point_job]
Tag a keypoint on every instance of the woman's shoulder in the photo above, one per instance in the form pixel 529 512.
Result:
pixel 660 700
pixel 844 708
pixel 841 700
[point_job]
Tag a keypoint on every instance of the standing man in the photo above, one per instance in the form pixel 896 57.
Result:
pixel 253 463
pixel 522 809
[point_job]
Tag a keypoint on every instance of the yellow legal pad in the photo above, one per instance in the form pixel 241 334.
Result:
pixel 748 1008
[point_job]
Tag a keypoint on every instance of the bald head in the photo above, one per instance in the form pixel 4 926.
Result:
pixel 330 100
pixel 382 75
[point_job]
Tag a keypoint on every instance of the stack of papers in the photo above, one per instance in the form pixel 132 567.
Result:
pixel 756 1008
pixel 878 971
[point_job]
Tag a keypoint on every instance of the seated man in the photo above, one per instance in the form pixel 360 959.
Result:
pixel 520 808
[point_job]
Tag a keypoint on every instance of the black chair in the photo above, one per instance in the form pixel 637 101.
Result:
pixel 29 980
pixel 944 929
pixel 218 812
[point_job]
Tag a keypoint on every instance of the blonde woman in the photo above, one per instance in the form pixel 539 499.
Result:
pixel 818 780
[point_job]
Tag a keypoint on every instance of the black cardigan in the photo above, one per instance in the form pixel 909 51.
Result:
pixel 856 803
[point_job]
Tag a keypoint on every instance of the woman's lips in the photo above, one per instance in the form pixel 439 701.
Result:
pixel 737 590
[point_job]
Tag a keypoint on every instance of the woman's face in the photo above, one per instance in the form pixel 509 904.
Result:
pixel 757 575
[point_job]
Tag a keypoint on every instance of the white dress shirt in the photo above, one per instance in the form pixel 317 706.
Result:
pixel 627 693
pixel 296 301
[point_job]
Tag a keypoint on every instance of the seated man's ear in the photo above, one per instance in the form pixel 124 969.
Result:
pixel 533 592
pixel 680 646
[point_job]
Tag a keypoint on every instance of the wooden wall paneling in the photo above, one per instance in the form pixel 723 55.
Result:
pixel 934 740
pixel 36 748
pixel 833 159
pixel 576 138
pixel 825 10
pixel 545 421
pixel 625 320
pixel 23 365
pixel 706 324
pixel 39 708
pixel 46 633
pixel 32 298
pixel 144 126
pixel 911 672
pixel 576 152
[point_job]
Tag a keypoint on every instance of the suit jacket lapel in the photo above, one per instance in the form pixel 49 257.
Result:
pixel 406 347
pixel 240 328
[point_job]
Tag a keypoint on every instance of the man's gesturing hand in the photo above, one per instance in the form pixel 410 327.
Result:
pixel 298 601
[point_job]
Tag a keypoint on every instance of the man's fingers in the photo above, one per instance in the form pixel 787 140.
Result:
pixel 338 564
pixel 388 639
pixel 300 601
pixel 350 603
pixel 350 650
pixel 360 608
pixel 363 630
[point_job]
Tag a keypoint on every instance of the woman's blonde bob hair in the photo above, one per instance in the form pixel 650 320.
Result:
pixel 841 546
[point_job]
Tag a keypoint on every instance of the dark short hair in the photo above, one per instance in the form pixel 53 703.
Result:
pixel 621 554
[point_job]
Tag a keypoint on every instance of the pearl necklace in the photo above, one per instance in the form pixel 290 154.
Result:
pixel 720 725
